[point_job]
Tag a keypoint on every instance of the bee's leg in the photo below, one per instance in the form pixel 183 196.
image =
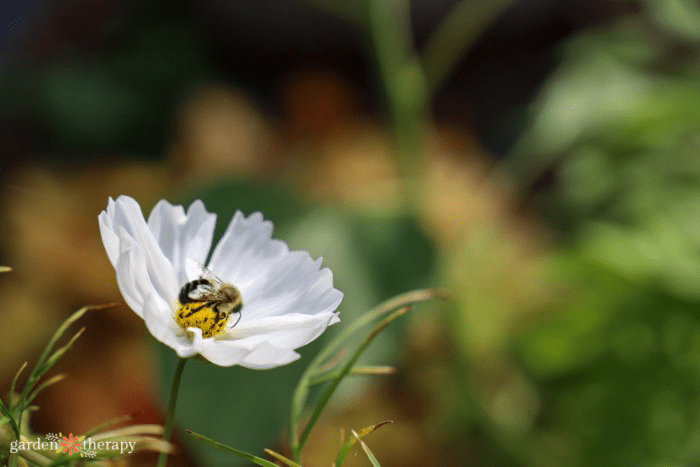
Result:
pixel 239 318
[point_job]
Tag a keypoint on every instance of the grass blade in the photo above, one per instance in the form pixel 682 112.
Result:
pixel 6 412
pixel 255 459
pixel 14 384
pixel 347 447
pixel 41 367
pixel 108 423
pixel 330 389
pixel 370 456
pixel 281 458
pixel 355 371
pixel 41 387
pixel 56 356
pixel 301 392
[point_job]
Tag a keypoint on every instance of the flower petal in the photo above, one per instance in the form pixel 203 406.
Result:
pixel 289 331
pixel 292 285
pixel 132 274
pixel 222 355
pixel 182 236
pixel 272 280
pixel 109 238
pixel 159 320
pixel 262 356
pixel 124 216
pixel 266 356
pixel 245 242
pixel 267 342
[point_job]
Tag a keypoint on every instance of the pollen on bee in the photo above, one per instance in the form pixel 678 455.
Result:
pixel 199 315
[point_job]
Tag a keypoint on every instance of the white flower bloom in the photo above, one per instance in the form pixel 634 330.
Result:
pixel 288 300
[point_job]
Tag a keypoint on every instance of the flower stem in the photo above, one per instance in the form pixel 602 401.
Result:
pixel 170 416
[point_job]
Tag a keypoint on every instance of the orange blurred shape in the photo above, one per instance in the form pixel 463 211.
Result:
pixel 219 132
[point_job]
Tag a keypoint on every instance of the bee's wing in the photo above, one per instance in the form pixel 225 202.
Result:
pixel 202 292
pixel 195 269
pixel 209 292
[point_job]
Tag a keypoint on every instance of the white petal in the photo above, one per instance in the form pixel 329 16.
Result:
pixel 109 237
pixel 222 355
pixel 132 274
pixel 125 217
pixel 292 285
pixel 266 356
pixel 267 342
pixel 262 356
pixel 161 323
pixel 182 236
pixel 245 242
pixel 272 280
pixel 289 331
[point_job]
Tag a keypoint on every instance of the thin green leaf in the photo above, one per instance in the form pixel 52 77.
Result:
pixel 406 299
pixel 454 35
pixel 6 412
pixel 350 443
pixel 40 368
pixel 41 387
pixel 356 371
pixel 62 329
pixel 35 458
pixel 56 356
pixel 330 389
pixel 107 424
pixel 301 392
pixel 255 459
pixel 131 430
pixel 281 458
pixel 14 384
pixel 370 456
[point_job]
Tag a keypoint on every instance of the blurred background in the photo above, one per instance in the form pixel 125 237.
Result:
pixel 538 159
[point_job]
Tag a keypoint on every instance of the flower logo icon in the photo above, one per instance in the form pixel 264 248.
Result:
pixel 70 444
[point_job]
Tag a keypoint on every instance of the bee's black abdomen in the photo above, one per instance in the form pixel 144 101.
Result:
pixel 184 296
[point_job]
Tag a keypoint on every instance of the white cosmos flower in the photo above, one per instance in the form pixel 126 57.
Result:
pixel 288 300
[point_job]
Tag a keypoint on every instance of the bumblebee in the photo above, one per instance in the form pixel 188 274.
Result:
pixel 207 303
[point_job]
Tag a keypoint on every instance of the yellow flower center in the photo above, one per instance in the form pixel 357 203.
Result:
pixel 203 316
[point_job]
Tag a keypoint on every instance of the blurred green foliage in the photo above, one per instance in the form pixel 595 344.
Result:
pixel 618 124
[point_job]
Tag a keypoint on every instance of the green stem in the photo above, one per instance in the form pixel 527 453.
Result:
pixel 404 83
pixel 302 390
pixel 330 389
pixel 170 416
pixel 455 35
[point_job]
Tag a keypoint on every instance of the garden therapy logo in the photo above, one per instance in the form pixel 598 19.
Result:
pixel 70 445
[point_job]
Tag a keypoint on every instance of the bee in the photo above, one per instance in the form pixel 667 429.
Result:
pixel 207 303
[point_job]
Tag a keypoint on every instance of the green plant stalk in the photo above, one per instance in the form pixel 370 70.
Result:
pixel 357 371
pixel 281 458
pixel 302 390
pixel 330 389
pixel 107 424
pixel 455 35
pixel 350 443
pixel 170 416
pixel 255 459
pixel 404 83
pixel 14 384
pixel 370 456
